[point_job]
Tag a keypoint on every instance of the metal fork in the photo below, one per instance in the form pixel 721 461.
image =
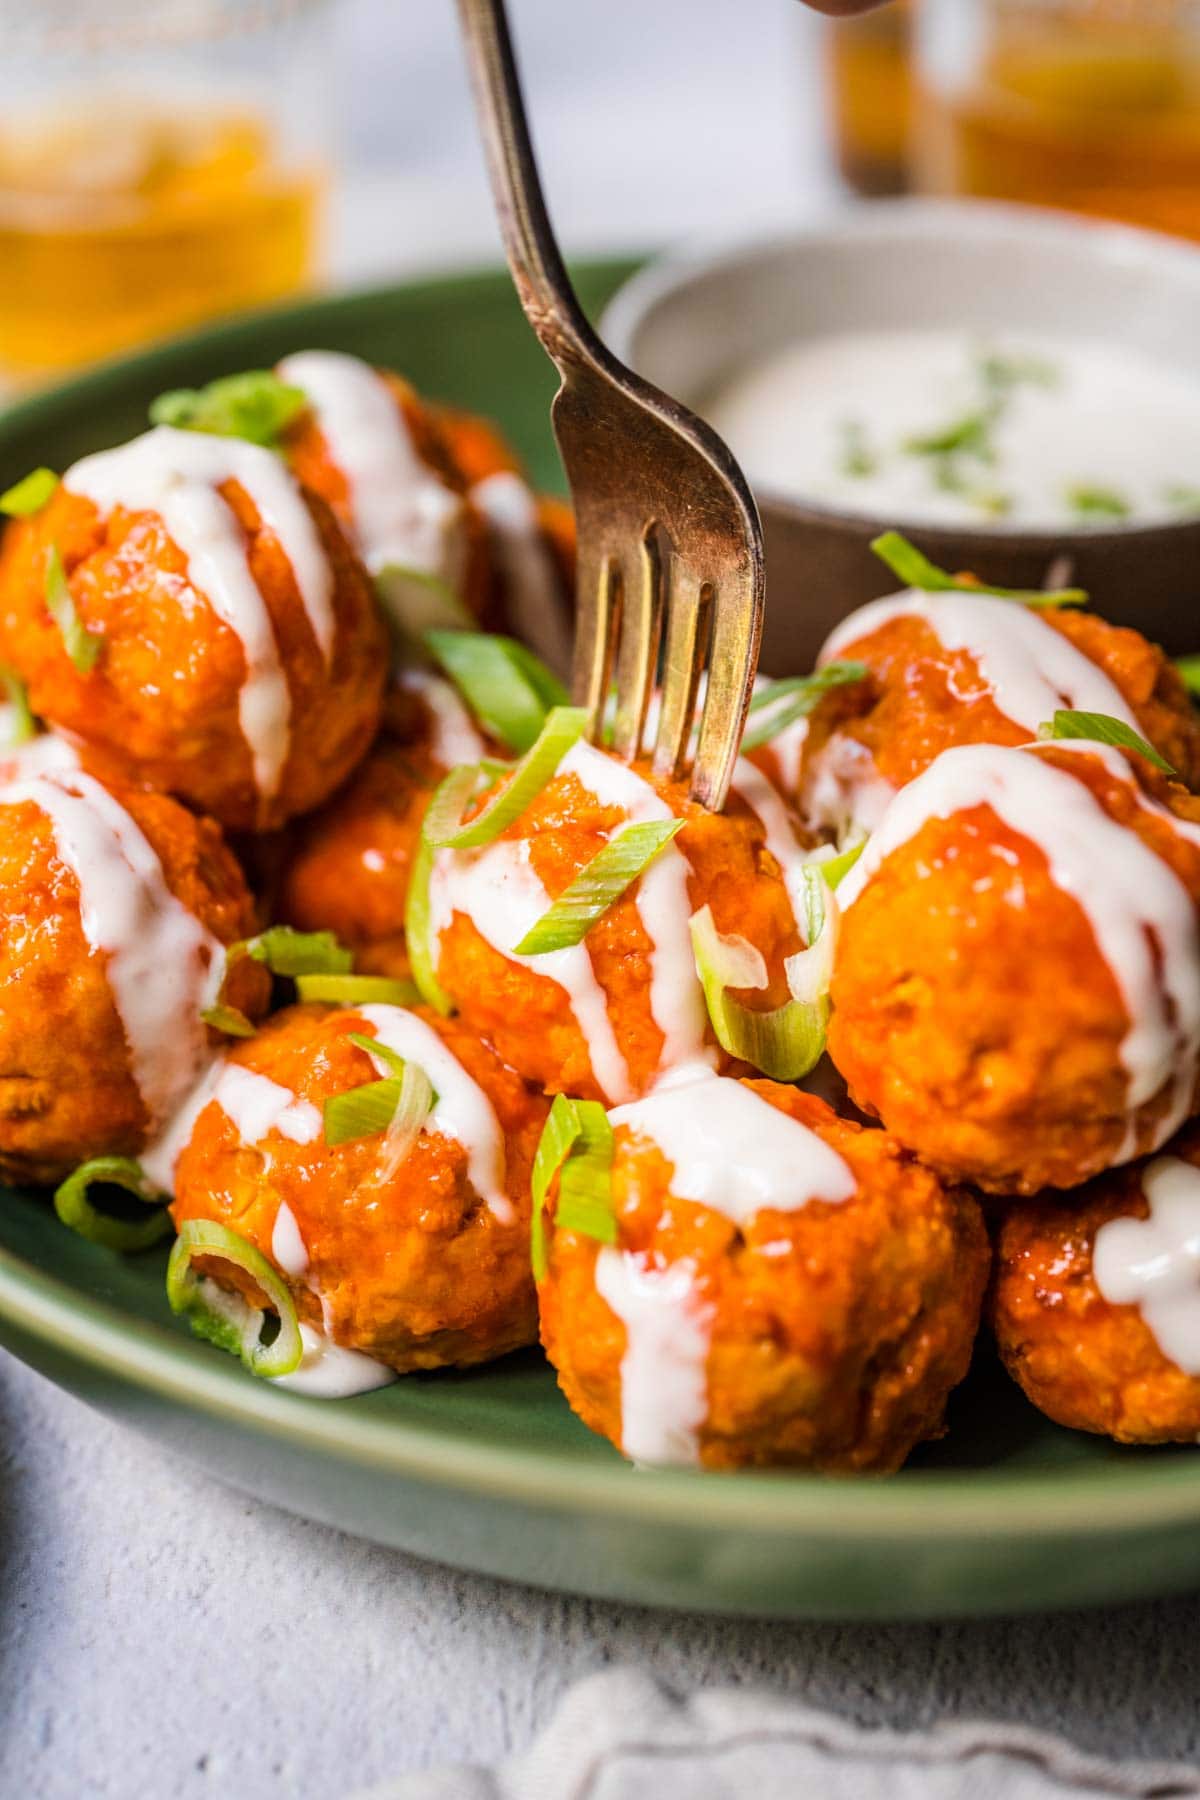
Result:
pixel 670 548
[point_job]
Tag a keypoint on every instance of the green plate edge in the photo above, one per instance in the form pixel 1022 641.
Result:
pixel 528 1493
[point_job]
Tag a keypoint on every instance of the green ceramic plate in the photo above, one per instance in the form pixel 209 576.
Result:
pixel 490 1470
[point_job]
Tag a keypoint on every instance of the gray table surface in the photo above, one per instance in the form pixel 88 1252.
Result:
pixel 163 1636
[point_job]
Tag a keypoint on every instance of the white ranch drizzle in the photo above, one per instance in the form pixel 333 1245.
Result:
pixel 498 890
pixel 454 736
pixel 843 789
pixel 403 514
pixel 732 1151
pixel 764 799
pixel 160 1158
pixel 1154 1263
pixel 1030 668
pixel 287 1245
pixel 162 967
pixel 177 474
pixel 46 754
pixel 668 1327
pixel 462 1111
pixel 256 1106
pixel 676 997
pixel 1132 899
pixel 528 572
pixel 329 1371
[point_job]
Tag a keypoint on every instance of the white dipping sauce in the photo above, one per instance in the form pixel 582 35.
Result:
pixel 664 1383
pixel 1154 1263
pixel 1096 419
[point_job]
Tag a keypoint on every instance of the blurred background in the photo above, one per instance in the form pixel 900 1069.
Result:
pixel 160 165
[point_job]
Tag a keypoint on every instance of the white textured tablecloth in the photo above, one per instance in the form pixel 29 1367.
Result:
pixel 163 1638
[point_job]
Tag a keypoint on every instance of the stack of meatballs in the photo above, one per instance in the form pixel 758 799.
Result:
pixel 283 956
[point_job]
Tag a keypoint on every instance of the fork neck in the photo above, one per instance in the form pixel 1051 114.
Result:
pixel 541 280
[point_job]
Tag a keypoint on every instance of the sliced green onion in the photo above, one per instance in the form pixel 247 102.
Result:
pixel 785 1042
pixel 288 952
pixel 1189 673
pixel 1002 370
pixel 1184 499
pixel 417 602
pixel 24 725
pixel 578 1140
pixel 357 990
pixel 392 1059
pixel 506 686
pixel 361 1111
pixel 30 494
pixel 256 405
pixel 82 645
pixel 968 436
pixel 443 827
pixel 783 702
pixel 414 1105
pixel 856 458
pixel 1099 728
pixel 908 565
pixel 74 1206
pixel 1097 502
pixel 598 886
pixel 418 933
pixel 229 1019
pixel 833 868
pixel 223 1316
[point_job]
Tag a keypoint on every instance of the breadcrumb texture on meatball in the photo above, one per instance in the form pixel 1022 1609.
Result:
pixel 67 1089
pixel 973 1011
pixel 162 700
pixel 527 1015
pixel 1079 1358
pixel 921 698
pixel 839 1330
pixel 415 1270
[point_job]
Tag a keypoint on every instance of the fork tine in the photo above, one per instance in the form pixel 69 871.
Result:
pixel 687 619
pixel 597 620
pixel 637 658
pixel 733 658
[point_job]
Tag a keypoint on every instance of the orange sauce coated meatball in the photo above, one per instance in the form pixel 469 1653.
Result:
pixel 1081 1359
pixel 834 1332
pixel 68 1090
pixel 414 1268
pixel 527 1014
pixel 162 701
pixel 973 1011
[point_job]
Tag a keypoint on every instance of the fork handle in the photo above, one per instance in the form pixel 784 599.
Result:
pixel 542 283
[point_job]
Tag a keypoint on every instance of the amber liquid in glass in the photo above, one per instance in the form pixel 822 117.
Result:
pixel 1099 115
pixel 870 91
pixel 124 224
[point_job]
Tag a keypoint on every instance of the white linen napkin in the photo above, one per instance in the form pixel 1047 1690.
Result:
pixel 622 1736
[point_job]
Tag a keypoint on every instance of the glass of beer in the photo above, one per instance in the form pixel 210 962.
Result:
pixel 1093 105
pixel 160 164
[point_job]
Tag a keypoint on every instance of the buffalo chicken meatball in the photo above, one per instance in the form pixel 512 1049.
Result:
pixel 415 1255
pixel 946 669
pixel 425 492
pixel 1095 1303
pixel 602 1018
pixel 781 1287
pixel 1016 989
pixel 185 607
pixel 346 867
pixel 115 909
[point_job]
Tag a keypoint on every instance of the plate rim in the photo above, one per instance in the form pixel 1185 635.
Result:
pixel 157 1359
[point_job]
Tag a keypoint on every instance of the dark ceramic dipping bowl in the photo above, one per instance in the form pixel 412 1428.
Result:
pixel 691 322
